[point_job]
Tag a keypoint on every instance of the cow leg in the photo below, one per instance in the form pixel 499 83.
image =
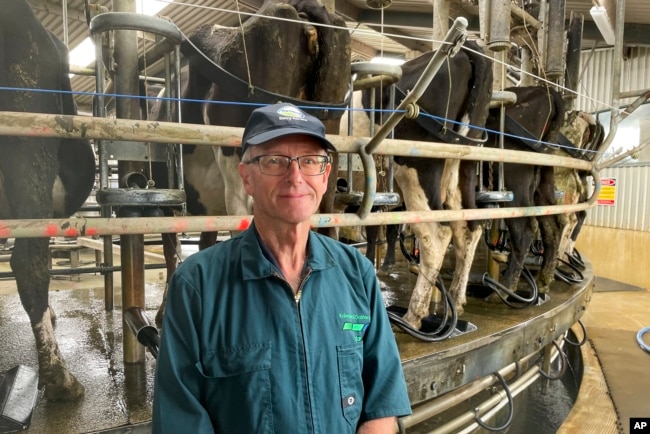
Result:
pixel 567 180
pixel 521 232
pixel 30 266
pixel 372 233
pixel 521 180
pixel 549 228
pixel 392 233
pixel 465 242
pixel 580 218
pixel 434 239
pixel 236 200
pixel 207 239
pixel 462 184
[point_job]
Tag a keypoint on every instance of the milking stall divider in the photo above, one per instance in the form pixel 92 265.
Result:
pixel 430 372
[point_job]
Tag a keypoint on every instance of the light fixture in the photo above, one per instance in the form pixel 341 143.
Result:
pixel 378 4
pixel 599 14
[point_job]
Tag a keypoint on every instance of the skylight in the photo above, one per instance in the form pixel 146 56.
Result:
pixel 84 53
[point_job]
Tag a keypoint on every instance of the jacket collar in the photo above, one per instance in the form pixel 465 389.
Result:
pixel 255 265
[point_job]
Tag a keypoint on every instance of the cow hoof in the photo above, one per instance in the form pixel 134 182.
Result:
pixel 414 321
pixel 414 268
pixel 70 390
pixel 500 257
pixel 382 272
pixel 385 270
pixel 493 299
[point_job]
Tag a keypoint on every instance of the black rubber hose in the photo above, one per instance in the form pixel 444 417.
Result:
pixel 563 365
pixel 449 310
pixel 409 257
pixel 511 408
pixel 576 259
pixel 584 336
pixel 498 287
pixel 569 277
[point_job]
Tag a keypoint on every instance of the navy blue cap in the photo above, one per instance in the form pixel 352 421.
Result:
pixel 279 120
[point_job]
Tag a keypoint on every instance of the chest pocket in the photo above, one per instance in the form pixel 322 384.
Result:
pixel 350 364
pixel 239 377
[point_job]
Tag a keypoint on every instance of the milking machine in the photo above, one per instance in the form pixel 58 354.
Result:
pixel 135 194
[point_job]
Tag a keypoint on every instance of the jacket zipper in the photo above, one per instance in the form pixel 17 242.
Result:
pixel 297 297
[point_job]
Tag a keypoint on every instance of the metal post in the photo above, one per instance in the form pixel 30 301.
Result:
pixel 555 39
pixel 574 46
pixel 132 251
pixel 440 22
pixel 499 36
pixel 99 110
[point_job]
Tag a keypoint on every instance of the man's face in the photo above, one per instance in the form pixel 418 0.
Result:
pixel 289 198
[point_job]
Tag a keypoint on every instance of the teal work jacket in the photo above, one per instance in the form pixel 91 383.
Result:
pixel 240 355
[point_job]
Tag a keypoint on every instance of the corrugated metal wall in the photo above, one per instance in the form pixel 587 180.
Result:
pixel 596 84
pixel 632 203
pixel 631 209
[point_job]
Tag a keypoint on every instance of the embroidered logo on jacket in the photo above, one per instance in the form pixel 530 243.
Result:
pixel 357 323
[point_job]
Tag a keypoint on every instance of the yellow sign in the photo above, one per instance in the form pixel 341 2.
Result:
pixel 607 194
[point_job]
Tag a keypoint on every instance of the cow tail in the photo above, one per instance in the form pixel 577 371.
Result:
pixel 480 91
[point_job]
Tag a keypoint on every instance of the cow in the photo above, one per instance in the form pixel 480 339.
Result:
pixel 580 136
pixel 39 177
pixel 536 117
pixel 275 60
pixel 460 94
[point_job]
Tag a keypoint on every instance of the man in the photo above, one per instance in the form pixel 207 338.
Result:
pixel 278 329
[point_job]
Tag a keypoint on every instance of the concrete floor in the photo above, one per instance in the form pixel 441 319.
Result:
pixel 120 395
pixel 90 339
pixel 619 381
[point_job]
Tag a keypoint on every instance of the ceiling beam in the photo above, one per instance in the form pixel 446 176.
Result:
pixel 55 8
pixel 364 50
pixel 407 19
pixel 633 34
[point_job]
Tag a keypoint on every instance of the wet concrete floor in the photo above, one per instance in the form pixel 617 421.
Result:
pixel 90 339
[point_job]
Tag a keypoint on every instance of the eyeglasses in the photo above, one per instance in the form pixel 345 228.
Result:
pixel 278 165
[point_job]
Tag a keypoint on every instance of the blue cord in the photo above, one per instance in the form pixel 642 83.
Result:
pixel 639 339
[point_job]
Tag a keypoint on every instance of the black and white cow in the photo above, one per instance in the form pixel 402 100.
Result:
pixel 460 93
pixel 281 54
pixel 537 116
pixel 39 177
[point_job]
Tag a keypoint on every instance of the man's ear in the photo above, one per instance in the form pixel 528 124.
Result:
pixel 245 179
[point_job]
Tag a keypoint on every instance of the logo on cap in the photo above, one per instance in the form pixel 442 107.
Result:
pixel 289 112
